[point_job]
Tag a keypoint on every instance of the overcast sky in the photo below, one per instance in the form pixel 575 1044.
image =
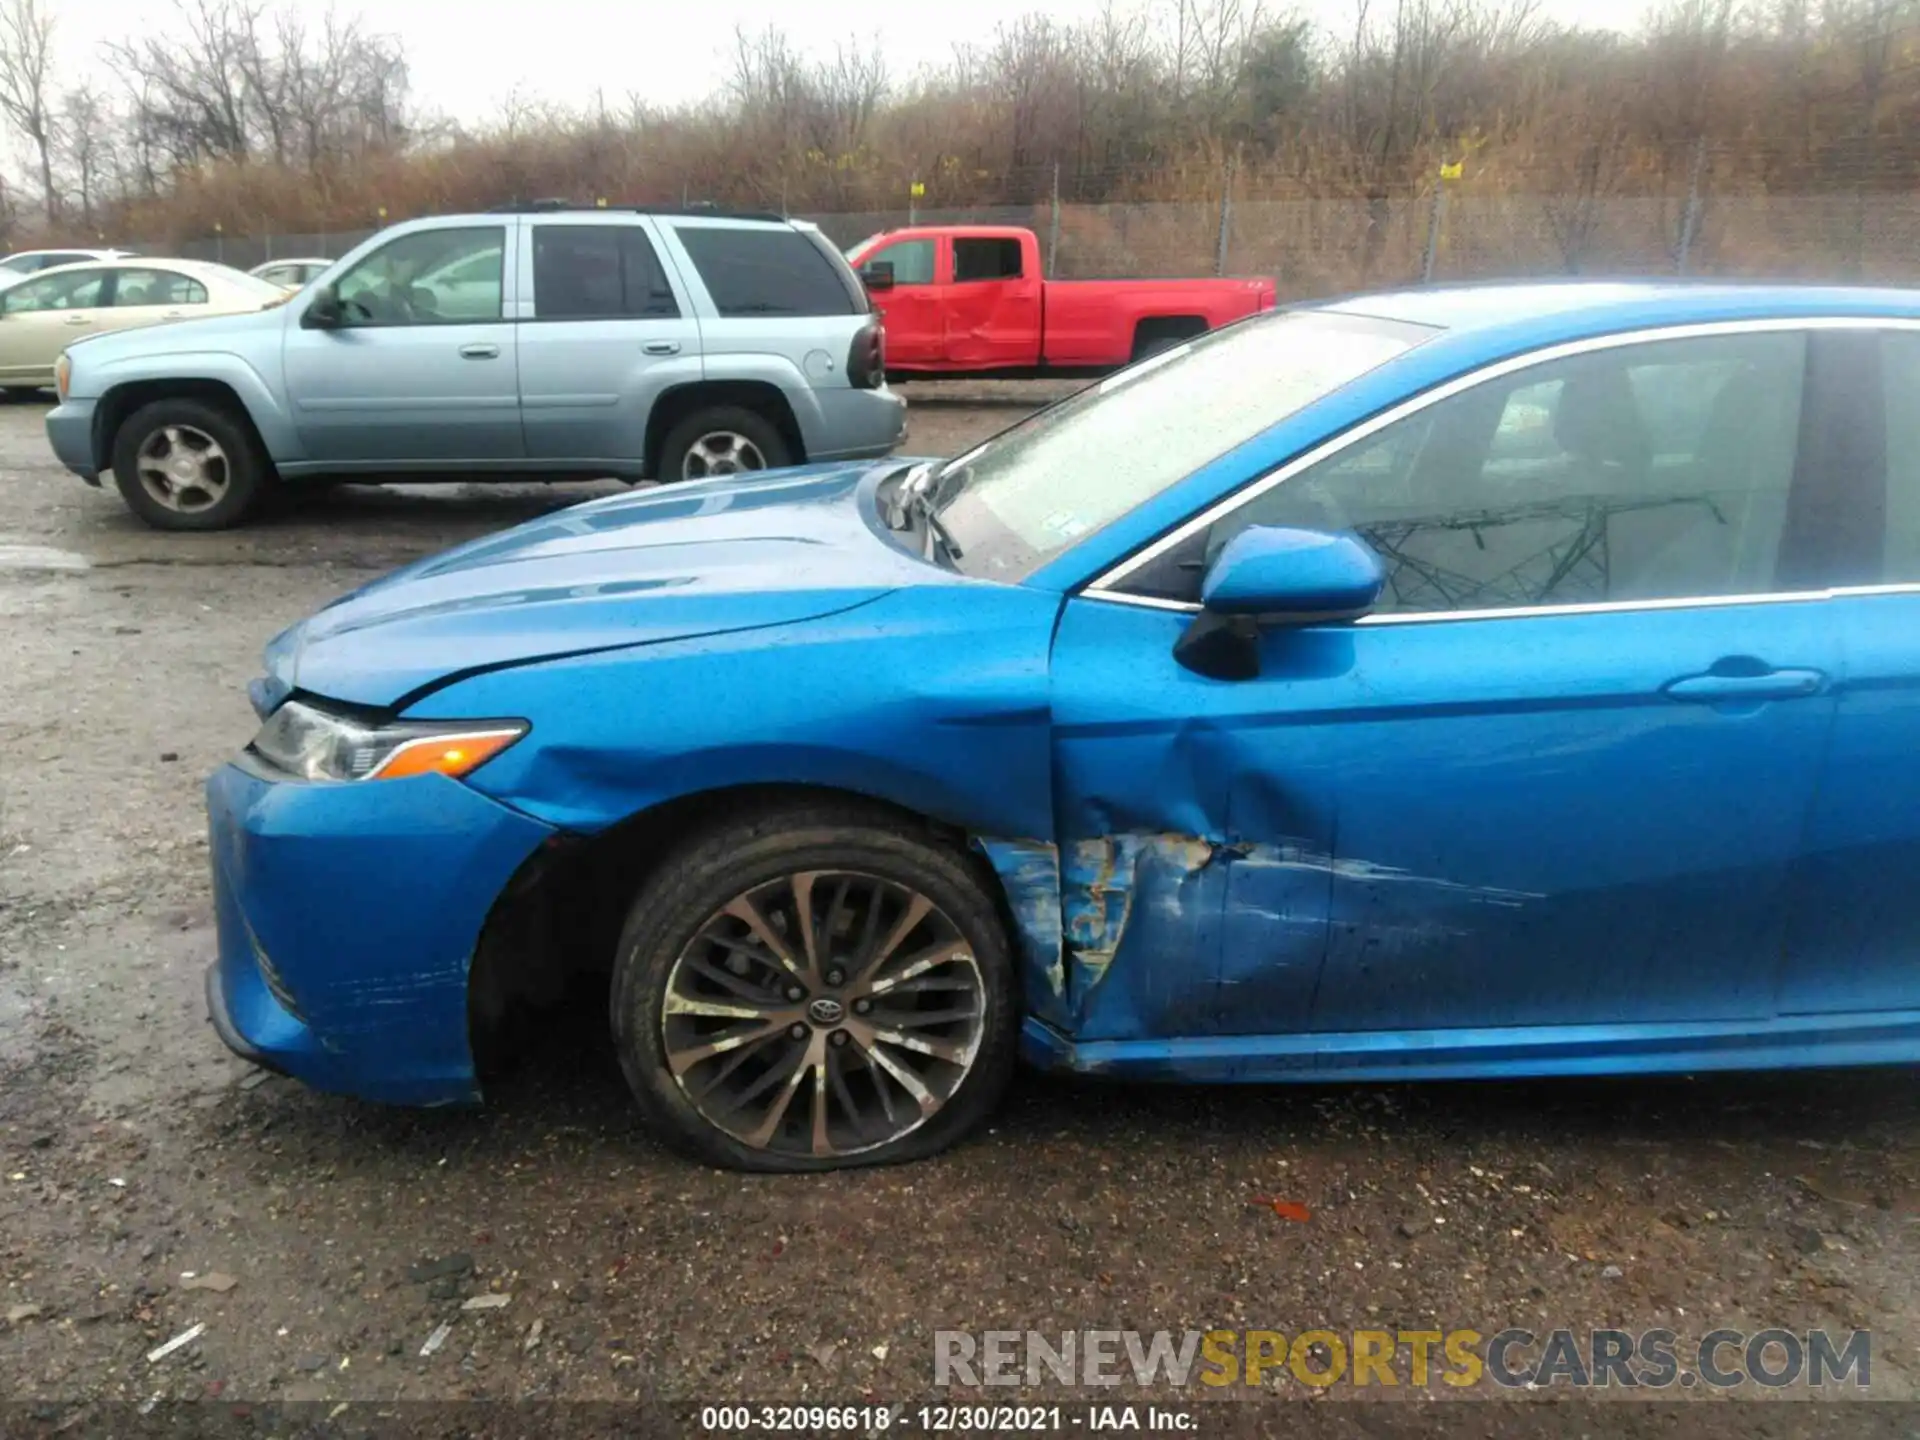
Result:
pixel 467 55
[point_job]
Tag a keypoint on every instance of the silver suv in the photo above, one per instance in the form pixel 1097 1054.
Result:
pixel 541 342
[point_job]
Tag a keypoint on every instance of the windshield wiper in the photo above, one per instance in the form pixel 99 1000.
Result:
pixel 918 499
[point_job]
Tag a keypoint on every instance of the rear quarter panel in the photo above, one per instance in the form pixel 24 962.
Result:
pixel 797 355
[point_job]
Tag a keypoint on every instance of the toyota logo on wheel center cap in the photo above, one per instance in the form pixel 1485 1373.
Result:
pixel 826 1011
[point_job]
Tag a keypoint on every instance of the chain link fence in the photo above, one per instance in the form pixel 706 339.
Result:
pixel 1327 247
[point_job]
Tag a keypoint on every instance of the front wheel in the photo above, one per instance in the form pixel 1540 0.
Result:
pixel 184 464
pixel 813 988
pixel 722 440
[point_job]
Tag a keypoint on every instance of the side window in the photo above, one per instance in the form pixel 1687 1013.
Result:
pixel 767 271
pixel 431 277
pixel 157 287
pixel 80 290
pixel 1645 472
pixel 598 272
pixel 912 261
pixel 985 260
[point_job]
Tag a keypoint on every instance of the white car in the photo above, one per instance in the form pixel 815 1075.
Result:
pixel 291 274
pixel 43 314
pixel 28 262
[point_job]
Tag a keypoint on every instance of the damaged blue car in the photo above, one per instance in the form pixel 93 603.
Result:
pixel 1491 681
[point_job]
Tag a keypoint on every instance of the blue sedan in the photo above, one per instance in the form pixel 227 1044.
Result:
pixel 1504 681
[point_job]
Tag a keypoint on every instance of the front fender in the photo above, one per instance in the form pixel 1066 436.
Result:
pixel 113 377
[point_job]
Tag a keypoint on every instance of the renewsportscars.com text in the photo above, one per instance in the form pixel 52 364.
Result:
pixel 1511 1358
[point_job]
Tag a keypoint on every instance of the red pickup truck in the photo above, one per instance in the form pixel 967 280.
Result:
pixel 969 300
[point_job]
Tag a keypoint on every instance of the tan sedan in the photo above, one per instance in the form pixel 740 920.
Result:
pixel 42 315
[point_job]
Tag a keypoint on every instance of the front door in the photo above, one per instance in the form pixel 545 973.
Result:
pixel 913 307
pixel 41 317
pixel 424 366
pixel 1561 779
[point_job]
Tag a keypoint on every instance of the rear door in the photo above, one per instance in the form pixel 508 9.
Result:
pixel 150 296
pixel 606 330
pixel 1856 944
pixel 993 305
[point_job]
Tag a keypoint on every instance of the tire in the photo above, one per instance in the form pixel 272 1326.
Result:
pixel 685 441
pixel 855 846
pixel 241 464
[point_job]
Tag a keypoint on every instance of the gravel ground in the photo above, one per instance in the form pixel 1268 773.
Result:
pixel 140 1165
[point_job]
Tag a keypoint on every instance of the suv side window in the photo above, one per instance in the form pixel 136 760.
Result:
pixel 912 261
pixel 598 272
pixel 431 277
pixel 157 287
pixel 765 271
pixel 980 259
pixel 80 290
pixel 1652 471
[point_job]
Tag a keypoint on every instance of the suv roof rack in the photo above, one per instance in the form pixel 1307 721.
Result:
pixel 692 207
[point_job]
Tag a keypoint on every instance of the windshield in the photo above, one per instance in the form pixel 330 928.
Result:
pixel 853 250
pixel 1024 496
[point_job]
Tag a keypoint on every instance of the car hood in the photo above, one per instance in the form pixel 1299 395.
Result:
pixel 668 563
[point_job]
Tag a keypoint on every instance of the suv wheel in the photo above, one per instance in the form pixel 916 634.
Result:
pixel 723 440
pixel 187 465
pixel 813 987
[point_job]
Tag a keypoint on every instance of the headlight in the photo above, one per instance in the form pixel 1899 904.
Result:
pixel 62 373
pixel 316 744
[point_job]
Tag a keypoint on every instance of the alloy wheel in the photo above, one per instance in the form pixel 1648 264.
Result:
pixel 721 452
pixel 823 1013
pixel 183 468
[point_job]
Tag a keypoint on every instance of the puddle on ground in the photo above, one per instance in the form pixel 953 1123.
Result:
pixel 40 557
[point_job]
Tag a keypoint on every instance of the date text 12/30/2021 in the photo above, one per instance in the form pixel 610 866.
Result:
pixel 944 1419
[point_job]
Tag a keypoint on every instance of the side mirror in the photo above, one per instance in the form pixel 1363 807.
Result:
pixel 877 275
pixel 325 312
pixel 1269 576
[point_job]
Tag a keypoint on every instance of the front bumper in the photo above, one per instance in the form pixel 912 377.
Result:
pixel 347 915
pixel 70 433
pixel 857 424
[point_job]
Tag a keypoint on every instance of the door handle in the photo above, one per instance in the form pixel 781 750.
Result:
pixel 480 352
pixel 661 347
pixel 78 320
pixel 1710 688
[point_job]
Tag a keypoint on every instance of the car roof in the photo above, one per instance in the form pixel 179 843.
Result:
pixel 202 268
pixel 1581 305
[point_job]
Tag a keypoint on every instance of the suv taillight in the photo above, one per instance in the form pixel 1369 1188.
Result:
pixel 867 360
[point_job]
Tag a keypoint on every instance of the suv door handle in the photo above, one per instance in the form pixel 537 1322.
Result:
pixel 661 347
pixel 480 352
pixel 1770 685
pixel 78 320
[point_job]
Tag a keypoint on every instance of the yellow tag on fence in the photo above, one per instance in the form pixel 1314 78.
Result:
pixel 1451 172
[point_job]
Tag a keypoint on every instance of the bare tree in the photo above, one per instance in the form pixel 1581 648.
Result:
pixel 85 129
pixel 26 82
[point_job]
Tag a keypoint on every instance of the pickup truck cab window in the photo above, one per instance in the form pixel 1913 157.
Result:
pixel 912 261
pixel 1035 489
pixel 429 277
pixel 985 259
